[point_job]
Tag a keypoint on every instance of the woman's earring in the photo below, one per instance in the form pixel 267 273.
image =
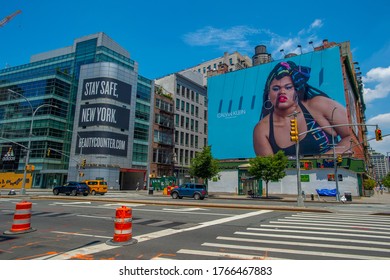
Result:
pixel 269 103
pixel 296 97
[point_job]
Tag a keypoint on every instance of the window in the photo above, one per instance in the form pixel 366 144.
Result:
pixel 177 104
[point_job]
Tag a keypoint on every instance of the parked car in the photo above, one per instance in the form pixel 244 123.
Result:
pixel 72 188
pixel 96 186
pixel 193 190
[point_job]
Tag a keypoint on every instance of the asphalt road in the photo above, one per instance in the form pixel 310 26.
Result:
pixel 83 228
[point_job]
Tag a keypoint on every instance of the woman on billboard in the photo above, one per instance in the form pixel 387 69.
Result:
pixel 286 92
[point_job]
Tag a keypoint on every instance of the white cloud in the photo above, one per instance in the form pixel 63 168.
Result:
pixel 243 39
pixel 234 38
pixel 383 122
pixel 380 78
pixel 382 147
pixel 316 24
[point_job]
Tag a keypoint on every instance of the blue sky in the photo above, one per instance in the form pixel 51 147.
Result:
pixel 168 36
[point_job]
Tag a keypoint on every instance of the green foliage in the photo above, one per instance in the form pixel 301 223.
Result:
pixel 204 165
pixel 386 181
pixel 369 184
pixel 269 168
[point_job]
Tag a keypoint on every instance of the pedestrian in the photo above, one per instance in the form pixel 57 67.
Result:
pixel 137 189
pixel 381 189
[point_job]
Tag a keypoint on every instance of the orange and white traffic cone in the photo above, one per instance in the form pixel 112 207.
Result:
pixel 22 217
pixel 123 226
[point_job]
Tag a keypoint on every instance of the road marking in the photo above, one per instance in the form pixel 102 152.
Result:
pixel 82 234
pixel 332 229
pixel 178 211
pixel 311 245
pixel 316 238
pixel 70 203
pixel 120 204
pixel 289 251
pixel 224 255
pixel 373 220
pixel 185 209
pixel 323 232
pixel 150 236
pixel 339 226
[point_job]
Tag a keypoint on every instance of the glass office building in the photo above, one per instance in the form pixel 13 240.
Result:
pixel 83 110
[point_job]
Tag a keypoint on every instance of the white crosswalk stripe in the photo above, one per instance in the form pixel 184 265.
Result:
pixel 304 236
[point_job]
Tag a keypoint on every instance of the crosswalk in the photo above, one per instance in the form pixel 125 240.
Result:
pixel 302 236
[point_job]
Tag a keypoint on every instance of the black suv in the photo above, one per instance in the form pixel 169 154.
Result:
pixel 72 188
pixel 193 190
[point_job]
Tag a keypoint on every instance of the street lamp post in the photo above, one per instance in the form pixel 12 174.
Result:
pixel 335 163
pixel 80 156
pixel 23 189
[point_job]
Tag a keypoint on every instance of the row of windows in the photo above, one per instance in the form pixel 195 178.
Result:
pixel 187 123
pixel 141 131
pixel 186 139
pixel 143 92
pixel 163 137
pixel 184 156
pixel 186 92
pixel 187 107
pixel 163 105
pixel 140 153
pixel 164 120
pixel 162 156
pixel 142 112
pixel 37 73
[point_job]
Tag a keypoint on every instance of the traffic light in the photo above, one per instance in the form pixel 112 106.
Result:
pixel 378 134
pixel 48 152
pixel 339 159
pixel 294 130
pixel 83 163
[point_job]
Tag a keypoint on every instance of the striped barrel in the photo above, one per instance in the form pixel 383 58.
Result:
pixel 22 217
pixel 123 224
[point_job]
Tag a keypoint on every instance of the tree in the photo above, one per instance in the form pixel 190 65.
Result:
pixel 269 168
pixel 369 184
pixel 386 181
pixel 204 165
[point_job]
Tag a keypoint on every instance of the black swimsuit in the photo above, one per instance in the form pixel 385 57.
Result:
pixel 314 143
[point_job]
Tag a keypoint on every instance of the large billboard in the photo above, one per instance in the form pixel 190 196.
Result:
pixel 102 143
pixel 250 110
pixel 104 87
pixel 104 114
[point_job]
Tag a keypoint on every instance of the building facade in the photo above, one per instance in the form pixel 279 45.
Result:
pixel 191 118
pixel 228 63
pixel 236 101
pixel 379 165
pixel 162 150
pixel 84 103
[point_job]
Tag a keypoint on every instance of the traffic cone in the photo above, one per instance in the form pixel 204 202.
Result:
pixel 22 217
pixel 123 224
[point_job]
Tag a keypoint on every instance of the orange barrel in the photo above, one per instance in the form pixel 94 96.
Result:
pixel 22 219
pixel 123 224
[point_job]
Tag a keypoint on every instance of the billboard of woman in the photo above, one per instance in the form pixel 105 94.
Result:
pixel 250 110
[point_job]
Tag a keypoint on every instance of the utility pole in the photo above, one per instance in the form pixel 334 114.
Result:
pixel 295 138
